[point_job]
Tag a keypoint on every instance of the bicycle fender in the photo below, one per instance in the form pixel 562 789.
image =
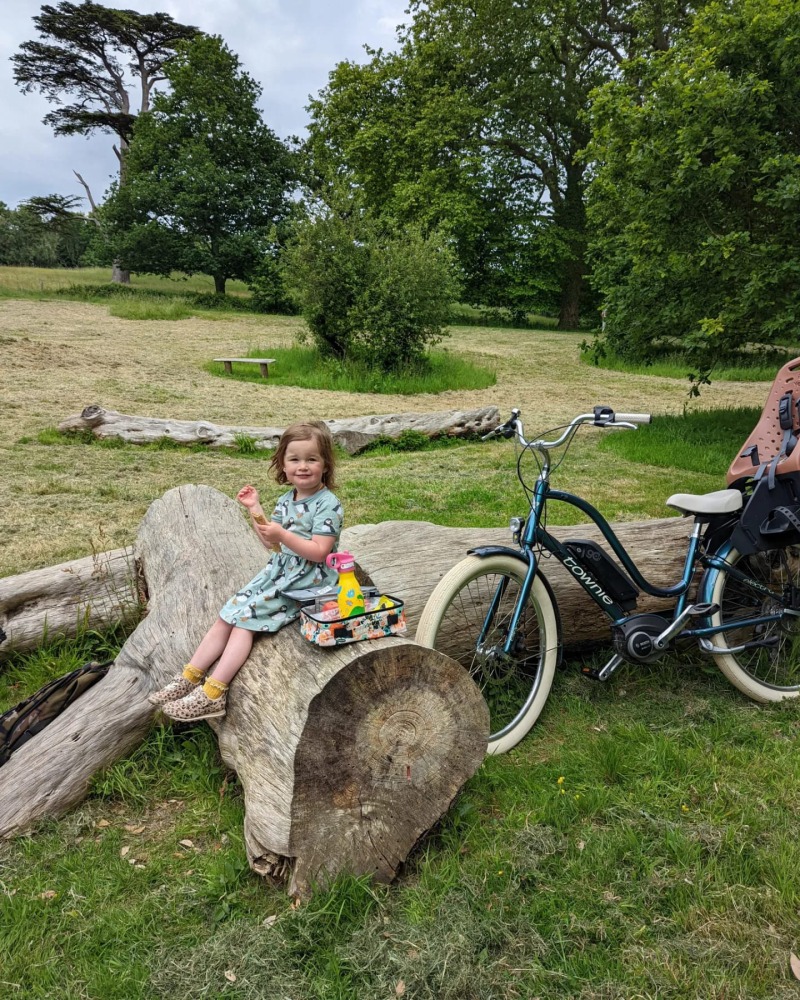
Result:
pixel 505 550
pixel 497 550
pixel 709 578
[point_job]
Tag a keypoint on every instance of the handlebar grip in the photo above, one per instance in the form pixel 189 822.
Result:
pixel 634 418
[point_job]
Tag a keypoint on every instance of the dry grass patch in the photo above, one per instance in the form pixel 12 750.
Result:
pixel 60 502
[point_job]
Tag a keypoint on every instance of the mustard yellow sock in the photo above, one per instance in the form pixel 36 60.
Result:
pixel 214 689
pixel 192 674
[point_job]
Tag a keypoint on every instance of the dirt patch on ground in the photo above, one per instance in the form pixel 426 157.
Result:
pixel 59 502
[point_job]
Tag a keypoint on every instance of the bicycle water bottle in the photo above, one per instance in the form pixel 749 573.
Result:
pixel 349 596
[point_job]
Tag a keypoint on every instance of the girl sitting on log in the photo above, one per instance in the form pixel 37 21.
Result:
pixel 304 529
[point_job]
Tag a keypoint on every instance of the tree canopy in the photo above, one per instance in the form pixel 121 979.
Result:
pixel 696 199
pixel 477 124
pixel 370 290
pixel 206 178
pixel 84 51
pixel 45 231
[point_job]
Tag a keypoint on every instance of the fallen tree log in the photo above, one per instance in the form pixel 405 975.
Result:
pixel 351 434
pixel 408 558
pixel 95 592
pixel 99 590
pixel 346 756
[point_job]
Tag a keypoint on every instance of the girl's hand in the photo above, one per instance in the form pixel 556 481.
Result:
pixel 268 535
pixel 271 532
pixel 248 497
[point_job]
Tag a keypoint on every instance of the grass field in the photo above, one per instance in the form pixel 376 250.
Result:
pixel 640 844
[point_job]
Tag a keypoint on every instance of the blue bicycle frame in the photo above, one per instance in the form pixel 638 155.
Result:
pixel 534 538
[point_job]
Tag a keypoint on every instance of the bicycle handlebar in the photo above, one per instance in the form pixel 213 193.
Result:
pixel 633 418
pixel 601 416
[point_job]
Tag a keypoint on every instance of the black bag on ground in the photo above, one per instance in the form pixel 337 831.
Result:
pixel 23 722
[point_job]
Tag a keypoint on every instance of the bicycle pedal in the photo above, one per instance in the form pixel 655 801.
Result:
pixel 604 672
pixel 702 610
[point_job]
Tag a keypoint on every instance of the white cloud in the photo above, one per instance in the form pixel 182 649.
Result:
pixel 288 46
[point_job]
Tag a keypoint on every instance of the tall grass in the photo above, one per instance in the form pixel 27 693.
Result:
pixel 305 367
pixel 699 441
pixel 760 366
pixel 37 282
pixel 151 308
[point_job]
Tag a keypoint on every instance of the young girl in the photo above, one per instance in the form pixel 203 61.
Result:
pixel 304 529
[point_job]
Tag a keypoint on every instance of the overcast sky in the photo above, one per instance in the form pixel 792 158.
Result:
pixel 288 46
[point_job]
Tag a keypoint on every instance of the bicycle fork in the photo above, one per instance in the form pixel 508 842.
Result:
pixel 519 607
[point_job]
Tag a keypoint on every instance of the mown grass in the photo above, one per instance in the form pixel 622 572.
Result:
pixel 760 366
pixel 304 367
pixel 640 842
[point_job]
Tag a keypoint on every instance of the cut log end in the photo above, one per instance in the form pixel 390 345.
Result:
pixel 386 746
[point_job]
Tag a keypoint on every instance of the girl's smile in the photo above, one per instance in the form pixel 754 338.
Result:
pixel 304 467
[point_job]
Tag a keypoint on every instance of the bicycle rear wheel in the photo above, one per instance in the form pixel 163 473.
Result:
pixel 770 669
pixel 515 686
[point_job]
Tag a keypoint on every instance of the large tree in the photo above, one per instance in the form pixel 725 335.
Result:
pixel 45 231
pixel 207 181
pixel 95 55
pixel 695 204
pixel 477 123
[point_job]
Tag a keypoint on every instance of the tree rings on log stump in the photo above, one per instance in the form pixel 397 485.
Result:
pixel 386 746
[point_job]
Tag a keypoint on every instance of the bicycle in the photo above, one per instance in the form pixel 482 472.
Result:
pixel 496 613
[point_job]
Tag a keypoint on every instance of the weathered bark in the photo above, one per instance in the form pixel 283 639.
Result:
pixel 95 592
pixel 352 434
pixel 406 558
pixel 346 756
pixel 119 275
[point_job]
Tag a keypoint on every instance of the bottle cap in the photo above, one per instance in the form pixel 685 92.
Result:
pixel 341 561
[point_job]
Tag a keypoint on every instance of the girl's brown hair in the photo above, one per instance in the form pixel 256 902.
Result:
pixel 307 430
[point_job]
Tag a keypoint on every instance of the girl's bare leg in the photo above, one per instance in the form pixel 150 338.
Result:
pixel 237 649
pixel 212 645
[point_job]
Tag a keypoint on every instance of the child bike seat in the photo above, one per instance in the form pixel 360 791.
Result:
pixel 771 447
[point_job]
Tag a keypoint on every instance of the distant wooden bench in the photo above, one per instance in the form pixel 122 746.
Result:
pixel 263 364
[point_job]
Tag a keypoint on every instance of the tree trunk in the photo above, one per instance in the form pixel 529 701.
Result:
pixel 119 275
pixel 570 215
pixel 346 756
pixel 352 434
pixel 219 284
pixel 100 589
pixel 408 558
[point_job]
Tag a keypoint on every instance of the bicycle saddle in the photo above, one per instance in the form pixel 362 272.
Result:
pixel 718 502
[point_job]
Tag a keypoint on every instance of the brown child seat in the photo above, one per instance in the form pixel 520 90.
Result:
pixel 772 448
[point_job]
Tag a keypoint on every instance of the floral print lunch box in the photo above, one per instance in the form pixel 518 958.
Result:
pixel 326 628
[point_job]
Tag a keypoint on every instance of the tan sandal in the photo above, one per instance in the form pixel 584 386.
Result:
pixel 179 687
pixel 195 706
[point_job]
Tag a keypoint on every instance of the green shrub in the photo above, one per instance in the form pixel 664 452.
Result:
pixel 269 291
pixel 369 290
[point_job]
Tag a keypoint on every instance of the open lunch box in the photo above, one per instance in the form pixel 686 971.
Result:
pixel 321 623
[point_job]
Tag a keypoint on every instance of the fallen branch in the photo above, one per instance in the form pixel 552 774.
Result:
pixel 96 592
pixel 351 434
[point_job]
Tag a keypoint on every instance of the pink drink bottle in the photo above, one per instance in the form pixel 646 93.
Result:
pixel 349 598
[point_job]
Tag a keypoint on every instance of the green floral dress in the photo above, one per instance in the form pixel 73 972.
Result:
pixel 260 606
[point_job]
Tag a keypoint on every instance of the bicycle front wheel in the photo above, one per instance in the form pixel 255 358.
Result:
pixel 769 668
pixel 468 616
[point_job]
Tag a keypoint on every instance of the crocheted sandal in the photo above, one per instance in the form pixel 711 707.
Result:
pixel 178 687
pixel 195 706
